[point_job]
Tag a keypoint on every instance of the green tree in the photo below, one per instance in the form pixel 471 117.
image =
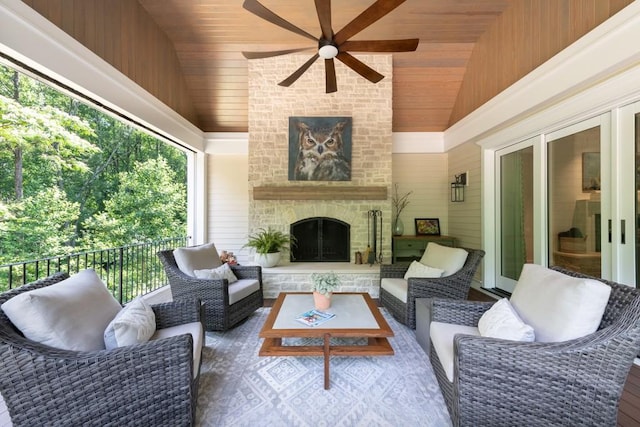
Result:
pixel 40 225
pixel 148 205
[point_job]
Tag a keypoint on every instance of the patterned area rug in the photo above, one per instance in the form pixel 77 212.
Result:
pixel 239 388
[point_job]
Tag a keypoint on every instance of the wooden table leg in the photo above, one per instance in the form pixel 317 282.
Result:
pixel 327 357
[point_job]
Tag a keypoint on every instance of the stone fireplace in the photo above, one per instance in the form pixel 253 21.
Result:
pixel 320 239
pixel 370 107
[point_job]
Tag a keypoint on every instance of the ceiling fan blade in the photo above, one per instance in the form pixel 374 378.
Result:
pixel 360 67
pixel 330 75
pixel 323 7
pixel 259 10
pixel 406 45
pixel 374 12
pixel 296 74
pixel 258 55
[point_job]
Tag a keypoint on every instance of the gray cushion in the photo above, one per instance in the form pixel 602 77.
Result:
pixel 197 258
pixel 442 335
pixel 134 324
pixel 222 272
pixel 72 314
pixel 396 287
pixel 451 260
pixel 193 328
pixel 557 306
pixel 242 288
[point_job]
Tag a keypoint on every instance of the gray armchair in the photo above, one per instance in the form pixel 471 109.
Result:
pixel 576 382
pixel 455 286
pixel 154 383
pixel 219 314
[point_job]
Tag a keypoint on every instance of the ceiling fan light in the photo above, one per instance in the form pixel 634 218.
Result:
pixel 328 51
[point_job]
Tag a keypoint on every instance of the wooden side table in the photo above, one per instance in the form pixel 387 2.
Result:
pixel 409 248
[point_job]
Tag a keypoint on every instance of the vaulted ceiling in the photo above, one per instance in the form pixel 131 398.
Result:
pixel 188 52
pixel 209 36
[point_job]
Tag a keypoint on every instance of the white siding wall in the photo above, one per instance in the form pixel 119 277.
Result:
pixel 426 176
pixel 229 203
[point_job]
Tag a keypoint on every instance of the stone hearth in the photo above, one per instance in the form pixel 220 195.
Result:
pixel 296 277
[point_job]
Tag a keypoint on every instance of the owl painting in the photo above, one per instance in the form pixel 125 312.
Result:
pixel 320 148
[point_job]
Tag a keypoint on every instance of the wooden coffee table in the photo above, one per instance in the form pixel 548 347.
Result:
pixel 357 316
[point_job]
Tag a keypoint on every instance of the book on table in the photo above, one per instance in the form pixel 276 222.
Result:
pixel 314 317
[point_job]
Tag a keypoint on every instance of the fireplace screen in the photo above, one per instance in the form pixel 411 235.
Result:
pixel 320 239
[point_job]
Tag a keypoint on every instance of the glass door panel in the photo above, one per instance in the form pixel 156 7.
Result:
pixel 515 238
pixel 516 205
pixel 574 192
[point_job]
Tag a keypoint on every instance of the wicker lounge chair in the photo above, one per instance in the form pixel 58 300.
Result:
pixel 576 382
pixel 214 294
pixel 146 384
pixel 455 286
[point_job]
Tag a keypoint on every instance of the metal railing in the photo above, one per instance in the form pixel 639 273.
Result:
pixel 128 271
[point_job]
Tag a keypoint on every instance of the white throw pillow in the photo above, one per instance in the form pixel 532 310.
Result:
pixel 197 258
pixel 134 324
pixel 71 314
pixel 501 321
pixel 417 269
pixel 451 260
pixel 557 306
pixel 222 272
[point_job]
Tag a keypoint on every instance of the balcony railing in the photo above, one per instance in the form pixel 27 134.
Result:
pixel 128 271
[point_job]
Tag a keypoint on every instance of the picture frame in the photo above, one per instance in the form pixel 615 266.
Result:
pixel 590 172
pixel 427 226
pixel 320 148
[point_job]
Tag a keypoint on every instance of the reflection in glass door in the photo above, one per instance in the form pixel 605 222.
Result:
pixel 574 187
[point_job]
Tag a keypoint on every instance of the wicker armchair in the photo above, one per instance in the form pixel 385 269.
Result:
pixel 146 384
pixel 455 286
pixel 214 294
pixel 576 382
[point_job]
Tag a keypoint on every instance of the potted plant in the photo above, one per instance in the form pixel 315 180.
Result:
pixel 323 285
pixel 269 244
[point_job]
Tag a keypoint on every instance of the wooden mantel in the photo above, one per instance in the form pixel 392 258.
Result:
pixel 312 192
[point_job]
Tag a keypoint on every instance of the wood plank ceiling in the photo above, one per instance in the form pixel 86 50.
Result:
pixel 209 36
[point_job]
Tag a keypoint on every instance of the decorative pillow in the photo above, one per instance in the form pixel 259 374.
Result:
pixel 134 324
pixel 71 314
pixel 222 272
pixel 417 269
pixel 197 258
pixel 559 307
pixel 445 258
pixel 501 321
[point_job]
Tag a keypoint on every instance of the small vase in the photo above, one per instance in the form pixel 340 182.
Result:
pixel 398 227
pixel 322 302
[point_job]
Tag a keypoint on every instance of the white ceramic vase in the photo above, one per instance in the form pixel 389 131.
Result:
pixel 267 260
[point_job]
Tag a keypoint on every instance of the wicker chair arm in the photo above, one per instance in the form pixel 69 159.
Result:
pixel 458 312
pixel 393 271
pixel 192 287
pixel 176 313
pixel 441 287
pixel 536 380
pixel 96 388
pixel 247 271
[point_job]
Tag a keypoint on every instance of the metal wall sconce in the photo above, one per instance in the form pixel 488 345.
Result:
pixel 457 187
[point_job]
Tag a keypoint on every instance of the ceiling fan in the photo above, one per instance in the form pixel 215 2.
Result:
pixel 336 45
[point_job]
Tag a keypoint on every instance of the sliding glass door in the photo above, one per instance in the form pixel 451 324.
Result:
pixel 578 195
pixel 515 228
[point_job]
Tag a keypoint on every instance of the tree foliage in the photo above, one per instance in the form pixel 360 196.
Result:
pixel 73 178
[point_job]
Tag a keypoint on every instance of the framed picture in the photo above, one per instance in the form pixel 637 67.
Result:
pixel 590 172
pixel 428 226
pixel 320 148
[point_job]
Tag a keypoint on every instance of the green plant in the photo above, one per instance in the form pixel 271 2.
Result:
pixel 325 283
pixel 269 240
